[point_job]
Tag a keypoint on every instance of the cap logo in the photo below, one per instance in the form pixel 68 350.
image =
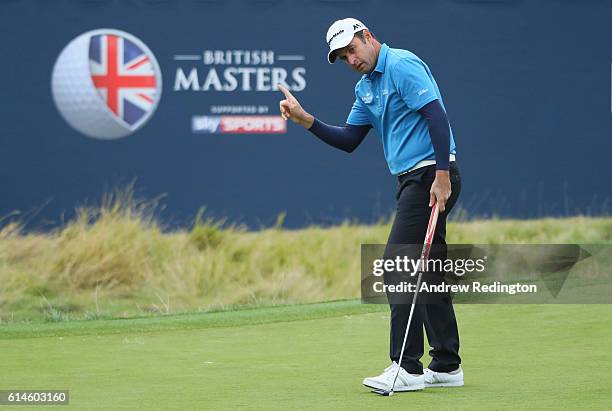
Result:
pixel 334 36
pixel 356 26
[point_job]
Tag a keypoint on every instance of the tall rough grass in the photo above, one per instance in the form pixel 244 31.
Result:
pixel 115 260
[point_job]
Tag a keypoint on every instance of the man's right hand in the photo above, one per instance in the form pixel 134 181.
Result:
pixel 291 109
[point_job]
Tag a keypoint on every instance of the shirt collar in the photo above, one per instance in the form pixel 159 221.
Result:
pixel 382 59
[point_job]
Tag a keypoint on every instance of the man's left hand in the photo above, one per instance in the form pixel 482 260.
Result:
pixel 440 190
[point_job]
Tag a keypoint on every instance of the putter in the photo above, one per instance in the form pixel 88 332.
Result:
pixel 431 229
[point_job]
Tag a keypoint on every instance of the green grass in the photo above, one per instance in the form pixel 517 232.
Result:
pixel 230 318
pixel 127 315
pixel 311 357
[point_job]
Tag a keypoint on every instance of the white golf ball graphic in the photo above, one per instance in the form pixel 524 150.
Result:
pixel 106 83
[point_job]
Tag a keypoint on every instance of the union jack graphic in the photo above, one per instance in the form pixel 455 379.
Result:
pixel 124 76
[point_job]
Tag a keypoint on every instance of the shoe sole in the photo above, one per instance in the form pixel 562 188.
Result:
pixel 444 384
pixel 378 386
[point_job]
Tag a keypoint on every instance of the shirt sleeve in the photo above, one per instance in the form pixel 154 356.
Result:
pixel 413 83
pixel 358 115
pixel 439 131
pixel 345 138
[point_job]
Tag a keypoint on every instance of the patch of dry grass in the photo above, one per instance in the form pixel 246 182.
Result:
pixel 115 260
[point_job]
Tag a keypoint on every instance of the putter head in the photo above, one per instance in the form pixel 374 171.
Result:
pixel 384 393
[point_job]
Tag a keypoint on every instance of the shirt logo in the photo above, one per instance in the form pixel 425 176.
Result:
pixel 423 91
pixel 367 98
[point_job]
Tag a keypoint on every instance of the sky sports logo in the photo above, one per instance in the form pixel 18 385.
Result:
pixel 238 125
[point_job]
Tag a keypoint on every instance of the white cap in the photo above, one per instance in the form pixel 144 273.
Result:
pixel 340 35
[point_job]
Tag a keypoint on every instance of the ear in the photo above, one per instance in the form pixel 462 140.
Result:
pixel 367 35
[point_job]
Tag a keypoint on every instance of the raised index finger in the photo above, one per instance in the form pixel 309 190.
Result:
pixel 286 92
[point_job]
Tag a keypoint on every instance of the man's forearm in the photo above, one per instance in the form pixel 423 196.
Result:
pixel 306 121
pixel 345 138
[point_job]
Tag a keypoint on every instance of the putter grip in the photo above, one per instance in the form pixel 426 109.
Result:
pixel 431 230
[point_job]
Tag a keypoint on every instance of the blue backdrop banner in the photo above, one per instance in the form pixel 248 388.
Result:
pixel 180 97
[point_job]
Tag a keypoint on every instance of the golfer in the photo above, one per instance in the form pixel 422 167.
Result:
pixel 398 97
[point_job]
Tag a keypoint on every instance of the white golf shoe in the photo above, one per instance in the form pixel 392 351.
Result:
pixel 405 381
pixel 443 379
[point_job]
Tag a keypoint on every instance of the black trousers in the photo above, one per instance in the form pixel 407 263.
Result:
pixel 409 227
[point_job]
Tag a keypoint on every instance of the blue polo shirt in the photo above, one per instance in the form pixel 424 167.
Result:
pixel 389 98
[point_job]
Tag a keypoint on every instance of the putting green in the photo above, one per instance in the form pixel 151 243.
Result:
pixel 311 357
